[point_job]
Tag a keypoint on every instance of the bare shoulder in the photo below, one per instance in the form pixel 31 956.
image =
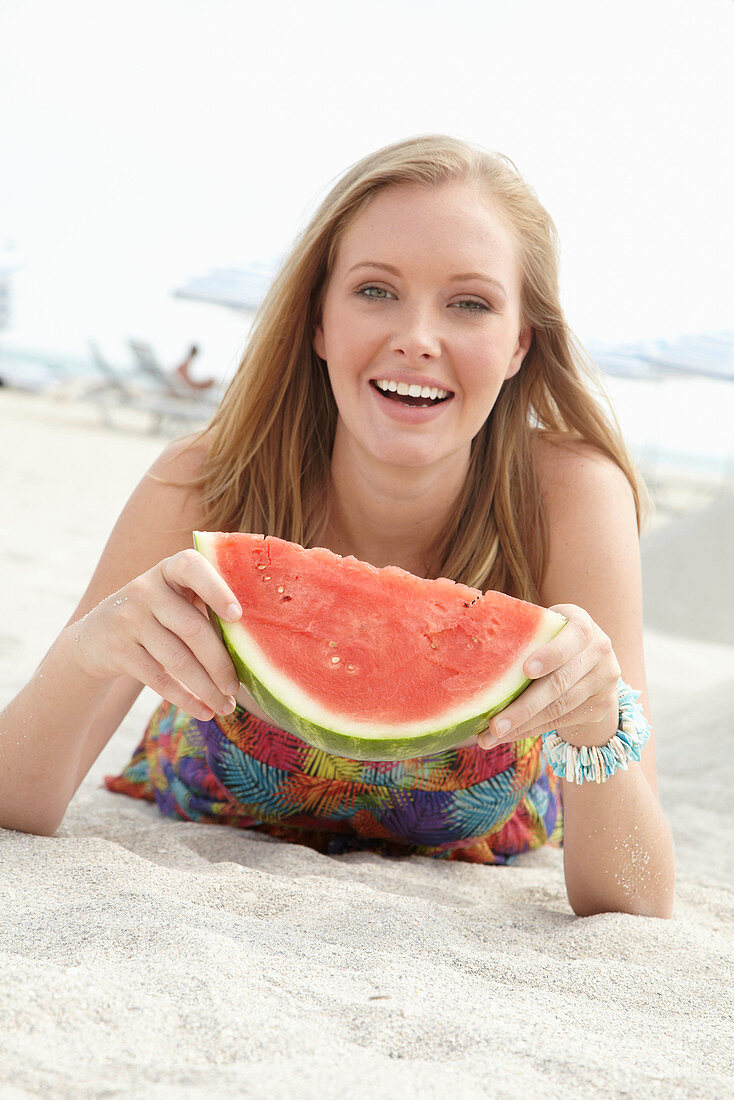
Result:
pixel 575 473
pixel 183 459
pixel 157 520
pixel 166 504
pixel 592 523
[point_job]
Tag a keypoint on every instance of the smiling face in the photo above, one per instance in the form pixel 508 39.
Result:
pixel 421 323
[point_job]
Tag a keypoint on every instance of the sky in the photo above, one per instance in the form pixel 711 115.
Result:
pixel 145 142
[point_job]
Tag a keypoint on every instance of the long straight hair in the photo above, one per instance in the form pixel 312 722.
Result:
pixel 267 467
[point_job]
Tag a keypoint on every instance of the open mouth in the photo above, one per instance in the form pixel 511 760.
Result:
pixel 413 394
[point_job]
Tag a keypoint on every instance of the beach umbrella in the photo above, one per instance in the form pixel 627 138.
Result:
pixel 240 288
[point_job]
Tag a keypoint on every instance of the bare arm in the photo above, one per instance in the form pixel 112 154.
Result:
pixel 617 849
pixel 141 620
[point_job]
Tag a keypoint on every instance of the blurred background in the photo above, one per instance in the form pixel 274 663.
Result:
pixel 158 156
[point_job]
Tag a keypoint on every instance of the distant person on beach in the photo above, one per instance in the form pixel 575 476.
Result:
pixel 182 372
pixel 414 356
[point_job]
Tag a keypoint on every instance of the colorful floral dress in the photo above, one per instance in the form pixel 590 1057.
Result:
pixel 467 804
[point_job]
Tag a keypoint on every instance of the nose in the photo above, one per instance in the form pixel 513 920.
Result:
pixel 416 336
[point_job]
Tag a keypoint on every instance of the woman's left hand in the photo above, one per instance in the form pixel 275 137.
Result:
pixel 576 677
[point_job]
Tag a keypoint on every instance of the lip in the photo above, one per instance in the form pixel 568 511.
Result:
pixel 410 414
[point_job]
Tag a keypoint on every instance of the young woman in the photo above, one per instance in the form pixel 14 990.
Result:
pixel 410 395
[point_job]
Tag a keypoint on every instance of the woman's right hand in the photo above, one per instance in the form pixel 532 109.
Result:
pixel 156 629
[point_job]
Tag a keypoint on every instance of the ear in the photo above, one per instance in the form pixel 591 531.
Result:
pixel 318 342
pixel 524 341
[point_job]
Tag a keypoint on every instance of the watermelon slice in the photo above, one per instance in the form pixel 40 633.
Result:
pixel 372 664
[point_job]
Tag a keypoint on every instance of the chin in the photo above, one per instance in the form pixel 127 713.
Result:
pixel 410 458
pixel 418 454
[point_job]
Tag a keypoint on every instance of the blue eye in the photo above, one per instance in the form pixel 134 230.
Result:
pixel 377 293
pixel 471 305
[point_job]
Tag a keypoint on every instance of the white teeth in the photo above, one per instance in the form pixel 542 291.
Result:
pixel 414 390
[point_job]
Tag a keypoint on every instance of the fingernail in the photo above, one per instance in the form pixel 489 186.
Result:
pixel 486 741
pixel 228 707
pixel 233 688
pixel 533 668
pixel 502 726
pixel 234 611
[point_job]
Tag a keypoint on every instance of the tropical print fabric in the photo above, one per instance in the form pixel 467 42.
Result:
pixel 467 804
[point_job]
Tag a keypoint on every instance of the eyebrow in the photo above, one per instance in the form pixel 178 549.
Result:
pixel 464 276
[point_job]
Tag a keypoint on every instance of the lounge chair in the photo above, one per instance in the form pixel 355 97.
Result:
pixel 167 381
pixel 117 391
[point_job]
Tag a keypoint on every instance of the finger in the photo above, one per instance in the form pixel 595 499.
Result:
pixel 170 651
pixel 579 704
pixel 190 570
pixel 591 713
pixel 185 622
pixel 149 672
pixel 551 694
pixel 576 636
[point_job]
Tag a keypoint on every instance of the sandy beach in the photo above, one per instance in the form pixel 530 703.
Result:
pixel 145 957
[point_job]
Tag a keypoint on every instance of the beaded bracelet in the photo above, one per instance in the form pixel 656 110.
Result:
pixel 598 762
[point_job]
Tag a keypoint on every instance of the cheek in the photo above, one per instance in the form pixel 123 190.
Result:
pixel 487 362
pixel 353 343
pixel 481 378
pixel 483 366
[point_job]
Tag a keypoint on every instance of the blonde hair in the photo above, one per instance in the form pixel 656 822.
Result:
pixel 269 444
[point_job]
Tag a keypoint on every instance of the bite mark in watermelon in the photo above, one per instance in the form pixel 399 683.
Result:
pixel 368 663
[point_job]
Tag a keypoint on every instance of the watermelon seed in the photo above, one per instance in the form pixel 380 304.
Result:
pixel 280 588
pixel 286 598
pixel 350 668
pixel 335 660
pixel 333 645
pixel 266 578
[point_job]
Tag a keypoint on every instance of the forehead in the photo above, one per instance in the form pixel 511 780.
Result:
pixel 455 223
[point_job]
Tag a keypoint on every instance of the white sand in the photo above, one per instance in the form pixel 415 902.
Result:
pixel 144 957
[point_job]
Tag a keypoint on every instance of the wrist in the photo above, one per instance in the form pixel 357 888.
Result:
pixel 74 650
pixel 591 735
pixel 579 763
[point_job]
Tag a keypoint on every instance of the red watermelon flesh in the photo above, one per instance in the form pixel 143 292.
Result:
pixel 366 657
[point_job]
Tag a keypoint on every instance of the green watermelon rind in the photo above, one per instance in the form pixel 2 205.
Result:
pixel 389 747
pixel 371 742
